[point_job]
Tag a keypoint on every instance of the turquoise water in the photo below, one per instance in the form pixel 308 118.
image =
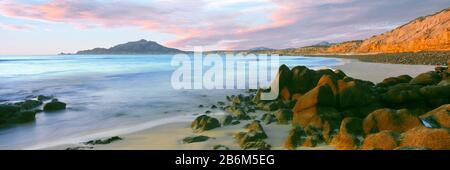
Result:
pixel 106 95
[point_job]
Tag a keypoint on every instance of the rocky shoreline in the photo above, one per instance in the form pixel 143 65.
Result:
pixel 326 107
pixel 25 111
pixel 420 58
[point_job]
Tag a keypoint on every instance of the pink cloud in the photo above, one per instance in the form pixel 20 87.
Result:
pixel 289 23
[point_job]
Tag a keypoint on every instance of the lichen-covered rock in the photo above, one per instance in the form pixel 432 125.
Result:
pixel 317 116
pixel 302 79
pixel 283 116
pixel 437 118
pixel 226 120
pixel 204 122
pixel 436 139
pixel 253 138
pixel 428 78
pixel 285 80
pixel 384 140
pixel 237 112
pixel 355 94
pixel 295 138
pixel 319 96
pixel 402 93
pixel 436 95
pixel 350 134
pixel 395 80
pixel 389 119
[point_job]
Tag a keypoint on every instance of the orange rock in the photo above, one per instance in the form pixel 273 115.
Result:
pixel 388 119
pixel 296 96
pixel 436 139
pixel 384 140
pixel 285 95
pixel 318 96
pixel 327 80
pixel 350 134
pixel 440 116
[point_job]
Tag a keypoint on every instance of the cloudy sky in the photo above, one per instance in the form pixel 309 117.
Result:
pixel 53 26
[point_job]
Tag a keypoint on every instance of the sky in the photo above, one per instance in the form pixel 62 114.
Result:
pixel 38 27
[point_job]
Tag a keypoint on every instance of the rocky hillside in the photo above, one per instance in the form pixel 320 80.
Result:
pixel 136 47
pixel 429 33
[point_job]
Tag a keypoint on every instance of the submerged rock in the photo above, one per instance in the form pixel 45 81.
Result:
pixel 203 123
pixel 193 139
pixel 28 104
pixel 54 105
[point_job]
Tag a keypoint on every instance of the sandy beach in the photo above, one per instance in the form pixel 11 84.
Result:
pixel 169 136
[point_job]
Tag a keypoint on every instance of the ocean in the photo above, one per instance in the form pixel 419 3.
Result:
pixel 106 95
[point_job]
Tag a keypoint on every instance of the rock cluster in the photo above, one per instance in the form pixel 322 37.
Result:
pixel 328 107
pixel 25 111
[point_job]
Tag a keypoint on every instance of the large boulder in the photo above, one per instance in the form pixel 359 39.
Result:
pixel 436 139
pixel 11 114
pixel 437 118
pixel 203 123
pixel 54 105
pixel 285 80
pixel 355 94
pixel 395 80
pixel 402 93
pixel 350 134
pixel 319 96
pixel 436 95
pixel 384 140
pixel 302 79
pixel 389 119
pixel 428 78
pixel 316 116
pixel 227 120
pixel 283 116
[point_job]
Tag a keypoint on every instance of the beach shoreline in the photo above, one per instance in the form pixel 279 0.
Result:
pixel 169 136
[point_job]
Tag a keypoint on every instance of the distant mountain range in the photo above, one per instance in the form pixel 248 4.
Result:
pixel 135 47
